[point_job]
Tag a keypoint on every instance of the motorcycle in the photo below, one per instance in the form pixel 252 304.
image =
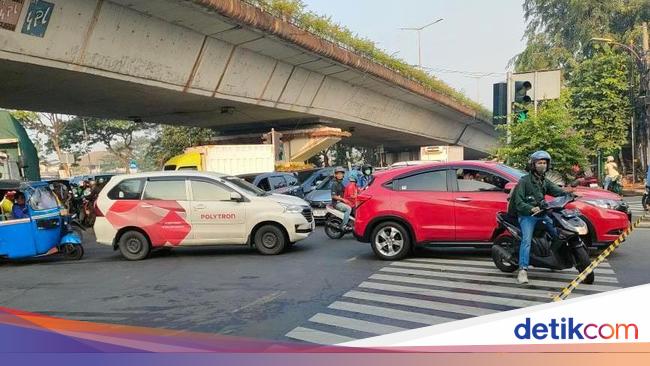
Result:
pixel 333 220
pixel 571 252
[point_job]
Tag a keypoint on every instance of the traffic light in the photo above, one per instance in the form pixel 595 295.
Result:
pixel 521 91
pixel 522 100
pixel 499 103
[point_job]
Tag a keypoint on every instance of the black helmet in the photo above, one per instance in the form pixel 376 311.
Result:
pixel 539 155
pixel 366 167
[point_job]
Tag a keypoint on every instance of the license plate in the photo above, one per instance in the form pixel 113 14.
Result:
pixel 319 212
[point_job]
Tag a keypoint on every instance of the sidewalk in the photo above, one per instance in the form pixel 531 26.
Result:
pixel 637 189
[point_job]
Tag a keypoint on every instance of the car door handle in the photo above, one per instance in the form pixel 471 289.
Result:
pixel 463 199
pixel 199 207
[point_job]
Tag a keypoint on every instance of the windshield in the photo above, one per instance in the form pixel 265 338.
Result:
pixel 325 184
pixel 559 202
pixel 41 198
pixel 512 171
pixel 245 186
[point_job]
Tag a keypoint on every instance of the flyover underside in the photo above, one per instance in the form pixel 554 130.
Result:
pixel 40 88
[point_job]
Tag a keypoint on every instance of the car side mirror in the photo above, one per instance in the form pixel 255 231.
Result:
pixel 509 187
pixel 235 196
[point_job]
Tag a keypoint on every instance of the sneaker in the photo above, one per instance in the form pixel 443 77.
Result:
pixel 522 277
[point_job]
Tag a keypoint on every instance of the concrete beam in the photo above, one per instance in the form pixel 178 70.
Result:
pixel 175 62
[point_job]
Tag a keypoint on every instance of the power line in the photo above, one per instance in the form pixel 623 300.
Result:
pixel 465 72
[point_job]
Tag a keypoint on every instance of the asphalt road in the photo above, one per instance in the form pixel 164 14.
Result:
pixel 235 291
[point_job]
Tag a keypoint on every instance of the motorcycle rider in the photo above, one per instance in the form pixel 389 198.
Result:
pixel 528 201
pixel 351 190
pixel 366 177
pixel 338 199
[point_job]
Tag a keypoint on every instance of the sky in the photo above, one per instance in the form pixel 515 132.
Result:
pixel 474 35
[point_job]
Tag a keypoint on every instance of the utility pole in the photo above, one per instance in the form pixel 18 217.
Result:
pixel 645 87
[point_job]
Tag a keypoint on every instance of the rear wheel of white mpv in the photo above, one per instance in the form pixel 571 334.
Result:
pixel 134 246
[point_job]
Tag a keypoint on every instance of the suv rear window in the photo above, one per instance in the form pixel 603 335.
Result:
pixel 429 181
pixel 128 189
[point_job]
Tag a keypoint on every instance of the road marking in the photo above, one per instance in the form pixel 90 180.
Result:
pixel 429 291
pixel 475 270
pixel 263 300
pixel 317 336
pixel 506 290
pixel 423 304
pixel 450 294
pixel 508 280
pixel 409 316
pixel 354 324
pixel 484 263
pixel 352 259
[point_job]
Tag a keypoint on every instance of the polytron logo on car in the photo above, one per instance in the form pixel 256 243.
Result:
pixel 224 216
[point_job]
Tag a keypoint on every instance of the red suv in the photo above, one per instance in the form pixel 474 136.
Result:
pixel 456 203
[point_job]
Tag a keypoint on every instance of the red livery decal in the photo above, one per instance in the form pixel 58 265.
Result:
pixel 163 221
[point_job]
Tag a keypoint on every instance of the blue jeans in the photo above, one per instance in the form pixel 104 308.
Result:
pixel 608 181
pixel 527 225
pixel 347 210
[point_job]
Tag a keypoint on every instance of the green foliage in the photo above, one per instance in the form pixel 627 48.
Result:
pixel 324 27
pixel 118 136
pixel 558 32
pixel 551 129
pixel 173 140
pixel 600 100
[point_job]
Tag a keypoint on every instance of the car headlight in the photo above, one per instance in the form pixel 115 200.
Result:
pixel 292 208
pixel 603 203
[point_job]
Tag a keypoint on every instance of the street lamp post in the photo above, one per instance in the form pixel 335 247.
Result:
pixel 419 30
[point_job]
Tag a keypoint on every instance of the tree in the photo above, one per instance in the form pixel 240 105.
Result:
pixel 173 140
pixel 600 101
pixel 558 32
pixel 51 126
pixel 116 135
pixel 551 129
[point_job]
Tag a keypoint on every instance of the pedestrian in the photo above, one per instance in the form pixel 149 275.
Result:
pixel 611 172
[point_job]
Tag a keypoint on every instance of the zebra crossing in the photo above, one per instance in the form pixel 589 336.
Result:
pixel 420 292
pixel 634 203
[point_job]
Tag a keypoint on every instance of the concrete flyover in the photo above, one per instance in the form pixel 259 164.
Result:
pixel 216 63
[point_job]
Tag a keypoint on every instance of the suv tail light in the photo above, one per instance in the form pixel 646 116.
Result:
pixel 363 198
pixel 98 212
